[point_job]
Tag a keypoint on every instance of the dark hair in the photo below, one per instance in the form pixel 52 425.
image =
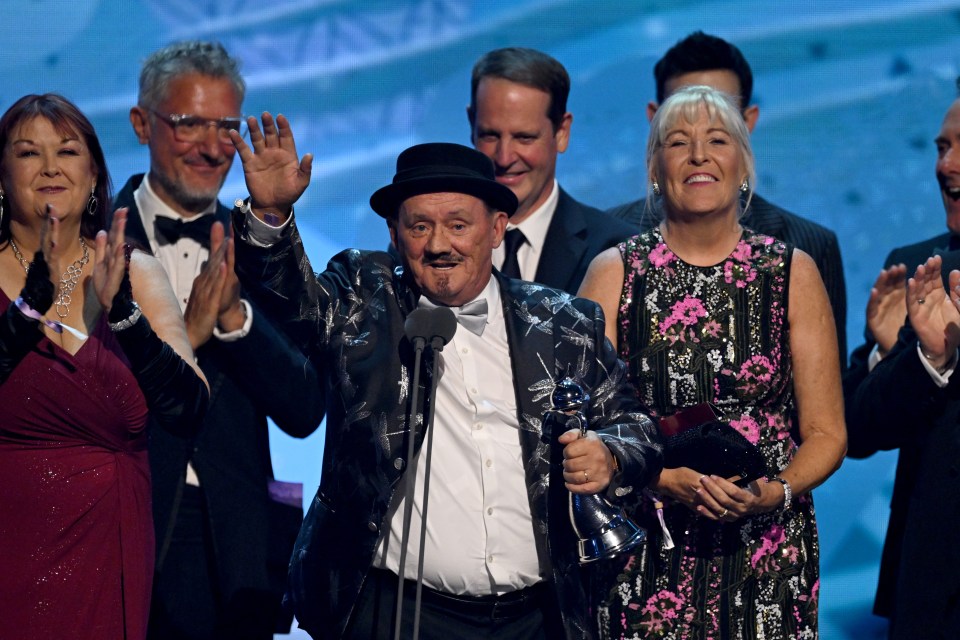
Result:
pixel 66 118
pixel 702 52
pixel 180 58
pixel 527 67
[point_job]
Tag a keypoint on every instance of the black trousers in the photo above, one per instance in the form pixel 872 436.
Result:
pixel 441 619
pixel 187 603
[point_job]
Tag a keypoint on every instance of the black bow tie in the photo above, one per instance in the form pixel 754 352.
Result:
pixel 170 230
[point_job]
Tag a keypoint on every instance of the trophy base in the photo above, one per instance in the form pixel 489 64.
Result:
pixel 615 537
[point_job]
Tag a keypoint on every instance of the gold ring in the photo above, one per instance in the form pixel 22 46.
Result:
pixel 724 514
pixel 586 478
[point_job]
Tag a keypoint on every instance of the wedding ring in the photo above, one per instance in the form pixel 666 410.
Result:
pixel 586 478
pixel 724 514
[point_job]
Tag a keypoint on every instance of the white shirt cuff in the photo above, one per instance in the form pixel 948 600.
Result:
pixel 259 233
pixel 941 378
pixel 874 358
pixel 233 336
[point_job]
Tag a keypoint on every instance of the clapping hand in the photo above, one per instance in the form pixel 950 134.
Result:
pixel 111 263
pixel 934 314
pixel 215 296
pixel 887 306
pixel 276 176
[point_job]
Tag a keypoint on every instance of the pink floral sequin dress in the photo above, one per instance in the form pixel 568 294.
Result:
pixel 694 334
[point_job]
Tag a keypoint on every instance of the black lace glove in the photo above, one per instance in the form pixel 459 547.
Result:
pixel 19 333
pixel 176 396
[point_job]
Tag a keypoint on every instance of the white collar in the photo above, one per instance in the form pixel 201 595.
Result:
pixel 536 225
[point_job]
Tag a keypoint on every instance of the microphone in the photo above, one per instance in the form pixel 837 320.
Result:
pixel 437 325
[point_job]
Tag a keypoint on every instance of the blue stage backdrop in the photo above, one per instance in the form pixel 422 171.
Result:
pixel 851 95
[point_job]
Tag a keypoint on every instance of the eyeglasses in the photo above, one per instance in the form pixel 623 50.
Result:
pixel 191 128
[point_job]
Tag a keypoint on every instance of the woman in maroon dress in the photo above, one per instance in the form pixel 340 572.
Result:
pixel 80 367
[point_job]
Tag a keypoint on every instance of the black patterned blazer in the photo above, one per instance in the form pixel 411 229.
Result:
pixel 350 320
pixel 767 218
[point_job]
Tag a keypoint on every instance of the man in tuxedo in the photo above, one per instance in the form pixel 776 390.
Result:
pixel 901 393
pixel 519 119
pixel 224 526
pixel 708 60
pixel 500 559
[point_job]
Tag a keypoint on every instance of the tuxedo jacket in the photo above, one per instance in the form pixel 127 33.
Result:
pixel 577 233
pixel 767 218
pixel 350 319
pixel 898 406
pixel 262 374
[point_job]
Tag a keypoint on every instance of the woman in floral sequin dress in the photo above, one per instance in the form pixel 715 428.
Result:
pixel 703 310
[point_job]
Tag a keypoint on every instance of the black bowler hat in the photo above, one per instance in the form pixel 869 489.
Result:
pixel 442 167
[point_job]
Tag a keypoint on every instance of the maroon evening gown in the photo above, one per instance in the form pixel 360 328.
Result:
pixel 76 532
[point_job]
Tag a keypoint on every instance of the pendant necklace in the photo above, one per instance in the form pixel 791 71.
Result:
pixel 68 279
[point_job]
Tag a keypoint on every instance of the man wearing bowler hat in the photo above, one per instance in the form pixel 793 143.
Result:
pixel 500 557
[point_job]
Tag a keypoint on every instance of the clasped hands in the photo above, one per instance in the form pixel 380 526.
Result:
pixel 717 498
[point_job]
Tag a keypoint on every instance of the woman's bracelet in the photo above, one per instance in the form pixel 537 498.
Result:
pixel 787 492
pixel 129 321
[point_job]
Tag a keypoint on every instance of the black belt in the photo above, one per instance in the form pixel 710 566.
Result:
pixel 503 607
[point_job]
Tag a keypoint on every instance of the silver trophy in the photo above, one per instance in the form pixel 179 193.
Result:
pixel 603 529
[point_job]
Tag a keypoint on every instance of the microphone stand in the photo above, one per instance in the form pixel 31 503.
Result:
pixel 442 323
pixel 437 344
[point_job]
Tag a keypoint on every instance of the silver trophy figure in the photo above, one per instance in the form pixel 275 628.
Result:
pixel 603 529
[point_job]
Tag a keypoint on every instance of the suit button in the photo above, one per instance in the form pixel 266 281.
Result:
pixel 398 464
pixel 372 526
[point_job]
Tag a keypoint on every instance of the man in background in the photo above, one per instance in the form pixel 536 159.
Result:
pixel 519 119
pixel 224 527
pixel 701 59
pixel 901 393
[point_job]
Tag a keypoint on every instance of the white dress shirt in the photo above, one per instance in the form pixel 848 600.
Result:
pixel 182 261
pixel 480 537
pixel 534 229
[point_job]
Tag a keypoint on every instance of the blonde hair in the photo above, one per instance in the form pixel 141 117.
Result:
pixel 688 103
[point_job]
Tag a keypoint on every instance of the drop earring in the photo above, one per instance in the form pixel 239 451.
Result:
pixel 92 202
pixel 656 188
pixel 745 186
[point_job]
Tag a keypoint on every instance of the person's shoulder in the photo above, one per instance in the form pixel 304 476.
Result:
pixel 124 197
pixel 358 260
pixel 631 212
pixel 925 247
pixel 535 295
pixel 760 207
pixel 600 223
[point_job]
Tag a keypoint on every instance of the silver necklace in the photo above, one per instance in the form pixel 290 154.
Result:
pixel 68 279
